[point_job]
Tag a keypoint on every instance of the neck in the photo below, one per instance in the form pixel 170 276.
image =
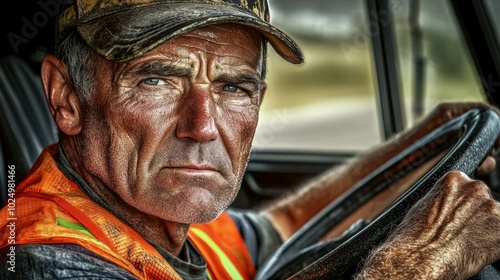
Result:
pixel 169 235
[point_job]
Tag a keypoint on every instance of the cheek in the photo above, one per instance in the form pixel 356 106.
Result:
pixel 95 137
pixel 128 132
pixel 137 134
pixel 237 131
pixel 141 120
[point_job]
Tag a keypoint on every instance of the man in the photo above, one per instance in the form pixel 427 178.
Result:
pixel 156 103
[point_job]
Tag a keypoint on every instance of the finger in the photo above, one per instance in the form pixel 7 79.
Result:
pixel 487 166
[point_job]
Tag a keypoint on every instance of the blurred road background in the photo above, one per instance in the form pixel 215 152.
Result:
pixel 331 100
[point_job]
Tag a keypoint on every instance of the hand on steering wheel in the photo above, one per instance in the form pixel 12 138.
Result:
pixel 450 230
pixel 468 138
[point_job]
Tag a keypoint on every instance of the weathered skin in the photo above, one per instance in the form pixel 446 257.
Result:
pixel 165 138
pixel 450 234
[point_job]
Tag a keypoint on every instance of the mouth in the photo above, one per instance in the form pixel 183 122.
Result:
pixel 194 168
pixel 189 176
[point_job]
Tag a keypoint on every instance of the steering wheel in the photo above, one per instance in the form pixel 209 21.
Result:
pixel 468 139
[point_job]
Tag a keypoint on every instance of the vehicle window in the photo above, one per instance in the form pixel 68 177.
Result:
pixel 434 62
pixel 492 7
pixel 328 103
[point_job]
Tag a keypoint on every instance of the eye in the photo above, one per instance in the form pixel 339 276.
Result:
pixel 153 82
pixel 231 88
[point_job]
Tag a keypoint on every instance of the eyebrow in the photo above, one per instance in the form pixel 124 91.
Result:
pixel 166 69
pixel 162 69
pixel 239 78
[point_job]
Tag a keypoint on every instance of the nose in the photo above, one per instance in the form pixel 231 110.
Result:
pixel 196 117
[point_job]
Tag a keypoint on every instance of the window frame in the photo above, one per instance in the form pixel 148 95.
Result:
pixel 477 30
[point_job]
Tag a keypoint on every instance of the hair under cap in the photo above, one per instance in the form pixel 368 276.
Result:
pixel 121 30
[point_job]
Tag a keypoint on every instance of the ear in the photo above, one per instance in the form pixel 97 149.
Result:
pixel 62 99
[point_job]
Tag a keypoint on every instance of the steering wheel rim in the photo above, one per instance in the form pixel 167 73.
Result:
pixel 473 134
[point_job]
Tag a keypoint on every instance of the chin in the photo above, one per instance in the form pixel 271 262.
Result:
pixel 194 217
pixel 187 205
pixel 195 210
pixel 204 213
pixel 204 219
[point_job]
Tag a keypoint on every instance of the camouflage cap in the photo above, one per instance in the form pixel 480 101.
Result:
pixel 121 30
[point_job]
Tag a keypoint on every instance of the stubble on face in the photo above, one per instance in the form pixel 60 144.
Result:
pixel 177 151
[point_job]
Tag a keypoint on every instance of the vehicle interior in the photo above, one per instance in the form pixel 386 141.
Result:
pixel 373 69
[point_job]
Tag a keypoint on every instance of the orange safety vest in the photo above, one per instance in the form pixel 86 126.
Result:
pixel 50 208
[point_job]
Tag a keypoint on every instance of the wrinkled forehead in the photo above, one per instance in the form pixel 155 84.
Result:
pixel 224 45
pixel 223 36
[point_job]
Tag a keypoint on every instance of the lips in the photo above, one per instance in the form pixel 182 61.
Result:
pixel 194 168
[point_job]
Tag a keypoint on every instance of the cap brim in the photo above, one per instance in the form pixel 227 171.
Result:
pixel 131 33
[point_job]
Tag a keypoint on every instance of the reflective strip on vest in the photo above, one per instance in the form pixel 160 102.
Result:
pixel 74 226
pixel 226 262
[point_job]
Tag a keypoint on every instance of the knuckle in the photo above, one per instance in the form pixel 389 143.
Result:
pixel 480 189
pixel 477 186
pixel 455 177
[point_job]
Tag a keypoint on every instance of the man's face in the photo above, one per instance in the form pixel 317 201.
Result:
pixel 170 132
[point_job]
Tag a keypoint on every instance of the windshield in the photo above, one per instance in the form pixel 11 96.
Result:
pixel 434 62
pixel 492 7
pixel 331 101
